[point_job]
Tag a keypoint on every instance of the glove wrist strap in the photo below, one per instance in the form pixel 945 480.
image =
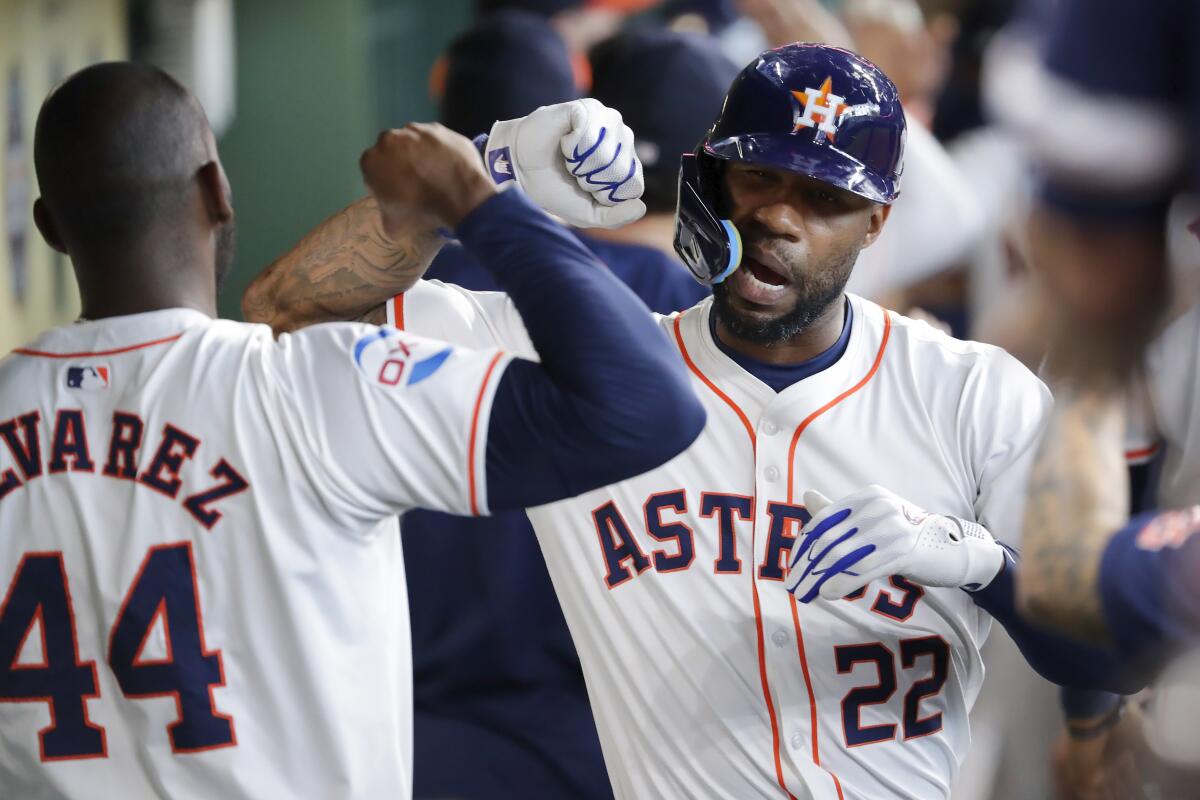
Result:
pixel 497 150
pixel 985 556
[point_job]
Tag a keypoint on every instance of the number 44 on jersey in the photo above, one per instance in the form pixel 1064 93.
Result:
pixel 163 594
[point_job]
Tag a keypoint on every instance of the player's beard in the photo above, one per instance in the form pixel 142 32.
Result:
pixel 226 245
pixel 817 289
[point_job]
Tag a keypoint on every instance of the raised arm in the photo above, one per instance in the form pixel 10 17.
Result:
pixel 610 397
pixel 349 266
pixel 344 269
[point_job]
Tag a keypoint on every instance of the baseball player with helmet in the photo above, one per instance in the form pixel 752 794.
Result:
pixel 203 589
pixel 707 677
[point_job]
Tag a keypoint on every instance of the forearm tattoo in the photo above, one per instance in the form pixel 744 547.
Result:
pixel 345 268
pixel 1079 496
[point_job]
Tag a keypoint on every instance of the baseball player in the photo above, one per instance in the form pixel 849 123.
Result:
pixel 707 678
pixel 203 590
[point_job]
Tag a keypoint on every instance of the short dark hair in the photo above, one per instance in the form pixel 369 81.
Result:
pixel 114 148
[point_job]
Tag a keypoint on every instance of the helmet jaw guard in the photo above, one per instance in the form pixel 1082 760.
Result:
pixel 709 245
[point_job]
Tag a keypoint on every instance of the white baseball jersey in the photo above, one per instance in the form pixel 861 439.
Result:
pixel 706 678
pixel 204 593
pixel 1166 414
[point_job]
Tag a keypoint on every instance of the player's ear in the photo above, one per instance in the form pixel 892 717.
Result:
pixel 46 227
pixel 879 216
pixel 214 189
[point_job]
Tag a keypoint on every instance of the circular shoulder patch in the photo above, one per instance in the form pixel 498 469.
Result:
pixel 388 359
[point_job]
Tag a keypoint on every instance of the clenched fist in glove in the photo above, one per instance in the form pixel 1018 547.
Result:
pixel 872 533
pixel 575 160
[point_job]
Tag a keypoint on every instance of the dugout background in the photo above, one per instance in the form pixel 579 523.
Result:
pixel 311 82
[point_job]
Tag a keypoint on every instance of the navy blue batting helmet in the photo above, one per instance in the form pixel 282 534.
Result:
pixel 813 109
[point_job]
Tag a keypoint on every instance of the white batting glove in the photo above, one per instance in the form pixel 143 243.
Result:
pixel 575 160
pixel 872 533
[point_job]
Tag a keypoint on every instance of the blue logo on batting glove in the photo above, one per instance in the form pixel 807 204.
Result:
pixel 500 165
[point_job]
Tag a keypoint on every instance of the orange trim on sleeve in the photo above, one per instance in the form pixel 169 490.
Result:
pixel 812 700
pixel 471 482
pixel 42 354
pixel 758 623
pixel 1145 452
pixel 397 304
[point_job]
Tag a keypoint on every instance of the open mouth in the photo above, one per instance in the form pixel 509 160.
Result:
pixel 764 273
pixel 758 284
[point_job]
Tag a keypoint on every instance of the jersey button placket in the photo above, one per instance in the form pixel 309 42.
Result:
pixel 771 474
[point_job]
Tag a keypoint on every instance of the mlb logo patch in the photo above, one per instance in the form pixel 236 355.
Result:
pixel 90 379
pixel 500 165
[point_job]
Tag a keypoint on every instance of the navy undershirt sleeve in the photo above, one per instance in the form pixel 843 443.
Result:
pixel 1059 659
pixel 610 398
pixel 1150 587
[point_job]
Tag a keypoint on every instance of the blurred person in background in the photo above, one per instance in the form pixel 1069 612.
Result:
pixel 898 36
pixel 1108 104
pixel 639 73
pixel 488 69
pixel 580 23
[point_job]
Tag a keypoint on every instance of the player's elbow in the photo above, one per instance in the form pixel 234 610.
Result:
pixel 666 425
pixel 257 301
pixel 646 429
pixel 262 303
pixel 682 420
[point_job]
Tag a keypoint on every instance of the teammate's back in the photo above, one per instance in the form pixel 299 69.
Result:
pixel 193 573
pixel 201 597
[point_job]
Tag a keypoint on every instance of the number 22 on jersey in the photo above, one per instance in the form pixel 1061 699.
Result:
pixel 163 592
pixel 847 657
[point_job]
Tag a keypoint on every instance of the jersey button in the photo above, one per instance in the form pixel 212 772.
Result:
pixel 770 428
pixel 771 474
pixel 780 638
pixel 797 741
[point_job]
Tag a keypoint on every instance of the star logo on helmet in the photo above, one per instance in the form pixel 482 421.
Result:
pixel 822 103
